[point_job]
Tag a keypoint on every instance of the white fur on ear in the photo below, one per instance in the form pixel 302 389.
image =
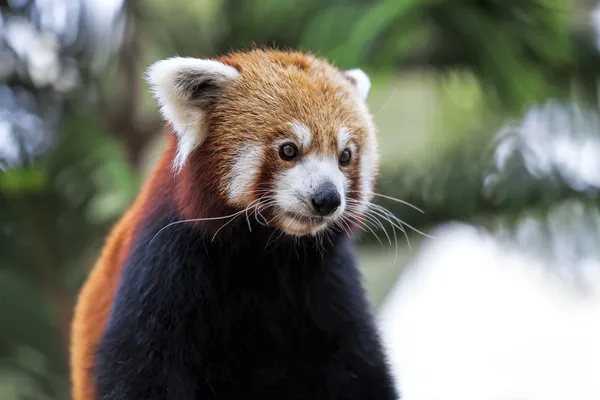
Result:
pixel 361 81
pixel 184 88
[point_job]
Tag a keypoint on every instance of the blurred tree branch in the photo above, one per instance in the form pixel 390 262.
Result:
pixel 123 119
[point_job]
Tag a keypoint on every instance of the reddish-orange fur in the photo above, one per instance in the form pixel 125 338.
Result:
pixel 277 87
pixel 96 296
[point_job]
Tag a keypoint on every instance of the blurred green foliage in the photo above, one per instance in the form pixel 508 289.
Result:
pixel 446 74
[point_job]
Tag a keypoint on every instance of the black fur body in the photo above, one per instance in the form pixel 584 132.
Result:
pixel 231 318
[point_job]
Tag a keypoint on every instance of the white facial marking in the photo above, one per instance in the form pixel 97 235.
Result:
pixel 343 138
pixel 344 141
pixel 362 83
pixel 244 173
pixel 173 82
pixel 368 165
pixel 296 186
pixel 303 134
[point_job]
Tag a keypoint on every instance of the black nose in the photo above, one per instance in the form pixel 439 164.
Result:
pixel 326 199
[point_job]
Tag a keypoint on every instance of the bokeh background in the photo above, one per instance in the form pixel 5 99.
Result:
pixel 488 120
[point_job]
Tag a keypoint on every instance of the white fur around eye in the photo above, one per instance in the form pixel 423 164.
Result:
pixel 343 138
pixel 303 134
pixel 175 83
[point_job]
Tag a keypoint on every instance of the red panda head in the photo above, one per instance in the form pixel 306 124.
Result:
pixel 284 135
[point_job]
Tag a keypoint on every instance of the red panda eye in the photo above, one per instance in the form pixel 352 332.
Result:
pixel 345 157
pixel 288 151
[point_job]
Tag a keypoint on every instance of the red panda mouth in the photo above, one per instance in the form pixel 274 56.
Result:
pixel 309 220
pixel 300 225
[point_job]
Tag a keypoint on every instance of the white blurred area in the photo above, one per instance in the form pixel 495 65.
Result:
pixel 476 318
pixel 511 313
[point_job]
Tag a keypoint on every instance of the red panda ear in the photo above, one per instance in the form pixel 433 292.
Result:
pixel 360 80
pixel 184 89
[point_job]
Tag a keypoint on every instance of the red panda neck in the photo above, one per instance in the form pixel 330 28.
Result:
pixel 192 192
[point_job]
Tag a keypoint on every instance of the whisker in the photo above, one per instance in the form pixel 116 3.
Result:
pixel 393 232
pixel 224 225
pixel 391 215
pixel 386 103
pixel 378 213
pixel 257 213
pixel 376 221
pixel 400 201
pixel 244 210
pixel 359 225
pixel 344 225
pixel 369 228
pixel 399 225
pixel 269 239
pixel 388 212
pixel 248 220
pixel 395 245
pixel 256 208
pixel 194 220
pixel 257 201
pixel 406 203
pixel 328 238
pixel 396 242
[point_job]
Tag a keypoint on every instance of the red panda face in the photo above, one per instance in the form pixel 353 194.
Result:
pixel 289 136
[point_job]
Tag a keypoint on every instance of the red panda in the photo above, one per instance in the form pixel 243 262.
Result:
pixel 233 275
